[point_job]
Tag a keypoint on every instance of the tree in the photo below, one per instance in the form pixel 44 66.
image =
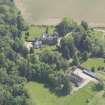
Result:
pixel 21 25
pixel 99 86
pixel 104 94
pixel 31 50
pixel 84 25
pixel 47 30
pixel 2 58
pixel 76 60
pixel 54 58
pixel 11 56
pixel 93 69
pixel 6 97
pixel 85 56
pixel 104 60
pixel 65 26
pixel 27 35
pixel 67 46
pixel 67 86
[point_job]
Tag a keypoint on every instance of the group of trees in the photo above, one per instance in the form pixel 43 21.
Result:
pixel 18 65
pixel 47 67
pixel 11 53
pixel 79 41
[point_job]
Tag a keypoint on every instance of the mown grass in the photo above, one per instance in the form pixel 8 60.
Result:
pixel 37 31
pixel 99 99
pixel 39 95
pixel 98 35
pixel 95 62
pixel 45 48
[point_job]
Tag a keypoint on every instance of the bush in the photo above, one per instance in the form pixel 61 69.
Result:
pixel 99 68
pixel 104 60
pixel 99 86
pixel 93 69
pixel 104 94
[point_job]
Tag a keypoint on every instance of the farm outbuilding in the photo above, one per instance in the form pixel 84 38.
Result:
pixel 49 39
pixel 37 44
pixel 81 77
pixel 77 80
pixel 90 73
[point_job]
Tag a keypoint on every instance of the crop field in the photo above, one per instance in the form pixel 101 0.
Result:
pixel 51 11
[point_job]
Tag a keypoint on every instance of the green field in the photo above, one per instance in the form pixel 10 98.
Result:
pixel 94 62
pixel 50 11
pixel 39 95
pixel 98 35
pixel 45 48
pixel 37 31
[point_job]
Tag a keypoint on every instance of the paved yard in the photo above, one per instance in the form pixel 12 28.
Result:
pixel 28 45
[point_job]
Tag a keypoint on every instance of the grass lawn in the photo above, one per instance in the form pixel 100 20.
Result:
pixel 95 62
pixel 101 75
pixel 39 95
pixel 97 34
pixel 45 48
pixel 98 99
pixel 37 31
